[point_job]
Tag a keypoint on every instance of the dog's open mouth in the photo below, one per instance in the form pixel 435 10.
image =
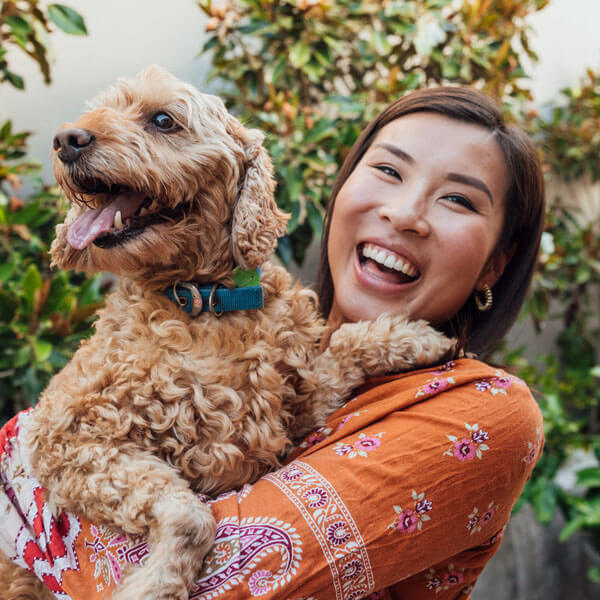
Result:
pixel 121 218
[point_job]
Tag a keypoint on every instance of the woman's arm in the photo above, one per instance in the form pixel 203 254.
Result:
pixel 410 486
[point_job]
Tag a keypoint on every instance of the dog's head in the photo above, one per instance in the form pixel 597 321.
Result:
pixel 164 185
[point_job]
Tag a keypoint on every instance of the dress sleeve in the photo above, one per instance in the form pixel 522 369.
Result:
pixel 414 501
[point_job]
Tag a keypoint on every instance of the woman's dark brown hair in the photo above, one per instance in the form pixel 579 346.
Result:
pixel 477 331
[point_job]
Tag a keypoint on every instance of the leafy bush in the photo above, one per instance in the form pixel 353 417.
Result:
pixel 571 135
pixel 43 315
pixel 312 73
pixel 567 289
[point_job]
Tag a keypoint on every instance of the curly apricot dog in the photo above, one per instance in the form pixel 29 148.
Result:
pixel 171 193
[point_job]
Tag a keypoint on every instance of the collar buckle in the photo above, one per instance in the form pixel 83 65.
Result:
pixel 195 302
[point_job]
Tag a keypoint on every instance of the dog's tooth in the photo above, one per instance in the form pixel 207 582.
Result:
pixel 118 222
pixel 143 212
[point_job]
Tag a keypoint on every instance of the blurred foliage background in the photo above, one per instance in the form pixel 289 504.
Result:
pixel 311 73
pixel 43 313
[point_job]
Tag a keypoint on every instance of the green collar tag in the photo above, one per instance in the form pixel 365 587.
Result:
pixel 243 278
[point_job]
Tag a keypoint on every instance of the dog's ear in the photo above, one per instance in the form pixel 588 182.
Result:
pixel 257 221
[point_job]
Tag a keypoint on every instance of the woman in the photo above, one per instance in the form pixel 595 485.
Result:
pixel 436 213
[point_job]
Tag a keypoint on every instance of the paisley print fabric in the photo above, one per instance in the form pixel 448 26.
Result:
pixel 402 494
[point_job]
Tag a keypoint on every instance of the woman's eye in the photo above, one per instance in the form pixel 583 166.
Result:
pixel 462 201
pixel 388 171
pixel 163 121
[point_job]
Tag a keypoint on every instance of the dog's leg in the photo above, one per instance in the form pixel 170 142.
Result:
pixel 139 494
pixel 19 584
pixel 367 348
pixel 182 535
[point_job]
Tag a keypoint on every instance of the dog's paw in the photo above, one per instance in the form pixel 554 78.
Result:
pixel 393 343
pixel 415 344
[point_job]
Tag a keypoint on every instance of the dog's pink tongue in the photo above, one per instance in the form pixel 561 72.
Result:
pixel 95 221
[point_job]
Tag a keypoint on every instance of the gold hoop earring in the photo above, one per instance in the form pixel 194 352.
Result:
pixel 488 299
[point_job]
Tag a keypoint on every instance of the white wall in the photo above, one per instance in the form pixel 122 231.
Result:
pixel 125 35
pixel 567 41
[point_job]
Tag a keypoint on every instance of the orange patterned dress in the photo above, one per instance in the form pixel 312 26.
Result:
pixel 403 494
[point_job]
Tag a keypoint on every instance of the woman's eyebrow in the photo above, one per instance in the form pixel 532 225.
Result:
pixel 397 152
pixel 472 181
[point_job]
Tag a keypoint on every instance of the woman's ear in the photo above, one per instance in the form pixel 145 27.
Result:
pixel 495 267
pixel 257 221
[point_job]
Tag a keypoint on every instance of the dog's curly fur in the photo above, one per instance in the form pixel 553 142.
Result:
pixel 158 406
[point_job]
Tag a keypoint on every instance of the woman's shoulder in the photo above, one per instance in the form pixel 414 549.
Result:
pixel 476 394
pixel 466 383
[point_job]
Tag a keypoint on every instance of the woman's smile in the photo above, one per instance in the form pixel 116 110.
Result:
pixel 386 266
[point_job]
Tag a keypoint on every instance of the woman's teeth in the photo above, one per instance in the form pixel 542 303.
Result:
pixel 389 260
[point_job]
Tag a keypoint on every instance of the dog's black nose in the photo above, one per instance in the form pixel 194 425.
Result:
pixel 71 142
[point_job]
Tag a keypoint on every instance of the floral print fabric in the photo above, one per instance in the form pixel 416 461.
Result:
pixel 403 494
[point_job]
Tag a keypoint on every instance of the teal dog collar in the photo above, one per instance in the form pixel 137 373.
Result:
pixel 216 299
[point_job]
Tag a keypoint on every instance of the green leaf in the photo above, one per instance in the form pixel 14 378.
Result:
pixel 319 132
pixel 210 44
pixel 299 54
pixel 589 477
pixel 42 349
pixel 32 385
pixel 18 25
pixel 284 250
pixel 254 27
pixel 6 129
pixel 594 574
pixel 14 79
pixel 314 71
pixel 278 70
pixel 294 219
pixel 7 269
pixel 570 528
pixel 67 19
pixel 315 218
pixel 32 281
pixel 544 502
pixel 22 356
pixel 90 291
pixel 381 44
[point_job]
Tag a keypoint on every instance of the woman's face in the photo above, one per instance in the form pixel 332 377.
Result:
pixel 415 226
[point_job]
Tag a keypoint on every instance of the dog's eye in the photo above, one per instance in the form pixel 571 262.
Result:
pixel 163 121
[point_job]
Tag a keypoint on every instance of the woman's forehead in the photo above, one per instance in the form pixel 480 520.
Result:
pixel 423 128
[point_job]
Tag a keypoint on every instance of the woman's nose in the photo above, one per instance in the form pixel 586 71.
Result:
pixel 407 214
